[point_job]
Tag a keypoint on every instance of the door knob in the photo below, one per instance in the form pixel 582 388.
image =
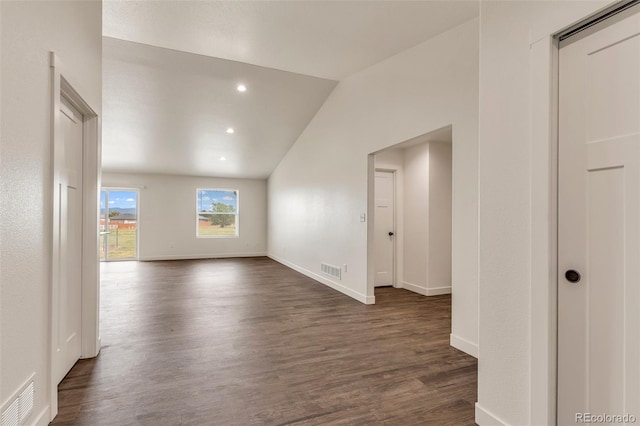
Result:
pixel 572 276
pixel 391 234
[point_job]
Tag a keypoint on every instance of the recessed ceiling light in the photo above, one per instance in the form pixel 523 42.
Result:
pixel 242 88
pixel 223 159
pixel 230 130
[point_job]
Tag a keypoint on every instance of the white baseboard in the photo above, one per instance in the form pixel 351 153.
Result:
pixel 437 291
pixel 464 345
pixel 368 300
pixel 414 288
pixel 44 418
pixel 200 256
pixel 433 291
pixel 486 418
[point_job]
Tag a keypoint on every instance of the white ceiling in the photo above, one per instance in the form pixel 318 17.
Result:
pixel 328 39
pixel 167 112
pixel 170 71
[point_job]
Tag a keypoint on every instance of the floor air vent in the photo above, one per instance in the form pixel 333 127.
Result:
pixel 17 412
pixel 26 401
pixel 11 414
pixel 330 270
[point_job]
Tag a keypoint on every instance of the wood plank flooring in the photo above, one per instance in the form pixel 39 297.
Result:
pixel 249 341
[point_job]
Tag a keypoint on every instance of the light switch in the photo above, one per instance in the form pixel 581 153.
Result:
pixel 363 217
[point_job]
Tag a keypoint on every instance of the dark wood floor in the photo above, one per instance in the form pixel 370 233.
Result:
pixel 249 341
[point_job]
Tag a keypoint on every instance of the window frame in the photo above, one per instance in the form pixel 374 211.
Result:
pixel 236 213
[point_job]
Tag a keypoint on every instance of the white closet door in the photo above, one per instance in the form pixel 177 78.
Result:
pixel 69 326
pixel 599 222
pixel 384 229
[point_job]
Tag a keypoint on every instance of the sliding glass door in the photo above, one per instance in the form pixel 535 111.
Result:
pixel 118 224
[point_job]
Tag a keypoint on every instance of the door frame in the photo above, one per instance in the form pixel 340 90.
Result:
pixel 396 225
pixel 137 191
pixel 61 85
pixel 544 103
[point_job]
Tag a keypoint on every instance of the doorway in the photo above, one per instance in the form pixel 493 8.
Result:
pixel 74 288
pixel 118 224
pixel 411 212
pixel 599 221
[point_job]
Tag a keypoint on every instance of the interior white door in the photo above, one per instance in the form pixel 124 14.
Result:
pixel 384 228
pixel 70 249
pixel 599 221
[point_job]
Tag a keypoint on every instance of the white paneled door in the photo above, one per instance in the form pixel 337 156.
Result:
pixel 599 222
pixel 70 222
pixel 384 228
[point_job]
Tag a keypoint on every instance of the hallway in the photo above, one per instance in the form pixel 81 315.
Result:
pixel 249 341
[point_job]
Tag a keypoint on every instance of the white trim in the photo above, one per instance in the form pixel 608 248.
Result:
pixel 486 418
pixel 90 341
pixel 432 291
pixel 543 232
pixel 200 256
pixel 415 288
pixel 371 269
pixel 437 291
pixel 41 420
pixel 463 345
pixel 367 300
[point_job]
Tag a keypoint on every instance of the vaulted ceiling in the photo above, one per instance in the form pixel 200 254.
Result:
pixel 167 111
pixel 171 71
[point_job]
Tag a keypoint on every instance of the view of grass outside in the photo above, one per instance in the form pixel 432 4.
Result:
pixel 102 237
pixel 121 243
pixel 207 230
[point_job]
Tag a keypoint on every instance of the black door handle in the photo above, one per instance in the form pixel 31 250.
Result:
pixel 391 234
pixel 572 276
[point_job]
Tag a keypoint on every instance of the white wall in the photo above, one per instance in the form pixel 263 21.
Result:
pixel 416 217
pixel 439 261
pixel 390 159
pixel 167 223
pixel 510 389
pixel 427 217
pixel 29 31
pixel 319 190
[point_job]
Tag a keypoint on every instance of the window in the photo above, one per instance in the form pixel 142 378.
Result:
pixel 217 213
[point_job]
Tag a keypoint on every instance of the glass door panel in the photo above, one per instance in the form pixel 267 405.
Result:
pixel 103 225
pixel 118 224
